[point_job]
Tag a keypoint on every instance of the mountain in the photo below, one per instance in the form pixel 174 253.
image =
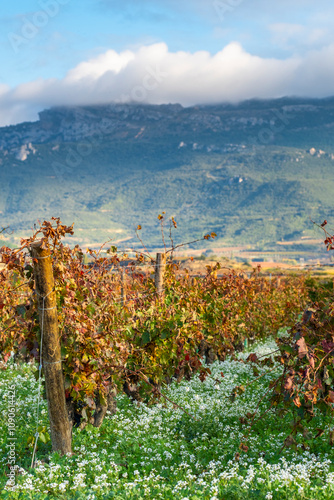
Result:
pixel 254 173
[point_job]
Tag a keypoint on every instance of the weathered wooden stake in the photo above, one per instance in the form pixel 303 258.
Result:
pixel 160 267
pixel 51 351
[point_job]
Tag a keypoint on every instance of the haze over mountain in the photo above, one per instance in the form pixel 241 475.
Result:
pixel 254 172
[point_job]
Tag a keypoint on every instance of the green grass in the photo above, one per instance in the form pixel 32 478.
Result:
pixel 157 451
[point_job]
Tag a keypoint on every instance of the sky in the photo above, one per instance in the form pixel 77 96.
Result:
pixel 71 52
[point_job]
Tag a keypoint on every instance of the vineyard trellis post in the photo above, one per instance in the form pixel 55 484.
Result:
pixel 160 266
pixel 50 349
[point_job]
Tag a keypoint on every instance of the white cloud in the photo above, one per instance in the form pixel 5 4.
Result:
pixel 154 74
pixel 296 36
pixel 96 68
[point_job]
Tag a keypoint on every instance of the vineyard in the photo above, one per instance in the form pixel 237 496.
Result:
pixel 215 386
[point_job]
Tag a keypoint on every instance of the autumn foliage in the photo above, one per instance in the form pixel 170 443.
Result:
pixel 307 357
pixel 306 385
pixel 138 344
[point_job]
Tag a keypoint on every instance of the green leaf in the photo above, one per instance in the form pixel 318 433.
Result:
pixel 165 334
pixel 287 348
pixel 29 271
pixel 146 338
pixel 301 412
pixel 67 382
pixel 42 437
pixel 21 310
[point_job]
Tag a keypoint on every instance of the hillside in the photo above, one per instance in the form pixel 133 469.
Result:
pixel 255 173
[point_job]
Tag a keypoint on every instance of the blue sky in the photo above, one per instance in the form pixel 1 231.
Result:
pixel 66 51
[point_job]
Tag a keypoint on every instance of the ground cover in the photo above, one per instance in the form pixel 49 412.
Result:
pixel 161 451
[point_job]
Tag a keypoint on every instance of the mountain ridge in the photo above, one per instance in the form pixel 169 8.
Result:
pixel 253 172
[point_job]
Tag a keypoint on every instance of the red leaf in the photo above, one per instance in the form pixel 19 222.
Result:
pixel 252 358
pixel 6 357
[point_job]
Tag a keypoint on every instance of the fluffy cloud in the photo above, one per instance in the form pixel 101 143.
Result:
pixel 153 74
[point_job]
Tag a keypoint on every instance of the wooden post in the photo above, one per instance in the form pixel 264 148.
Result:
pixel 278 283
pixel 160 267
pixel 50 346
